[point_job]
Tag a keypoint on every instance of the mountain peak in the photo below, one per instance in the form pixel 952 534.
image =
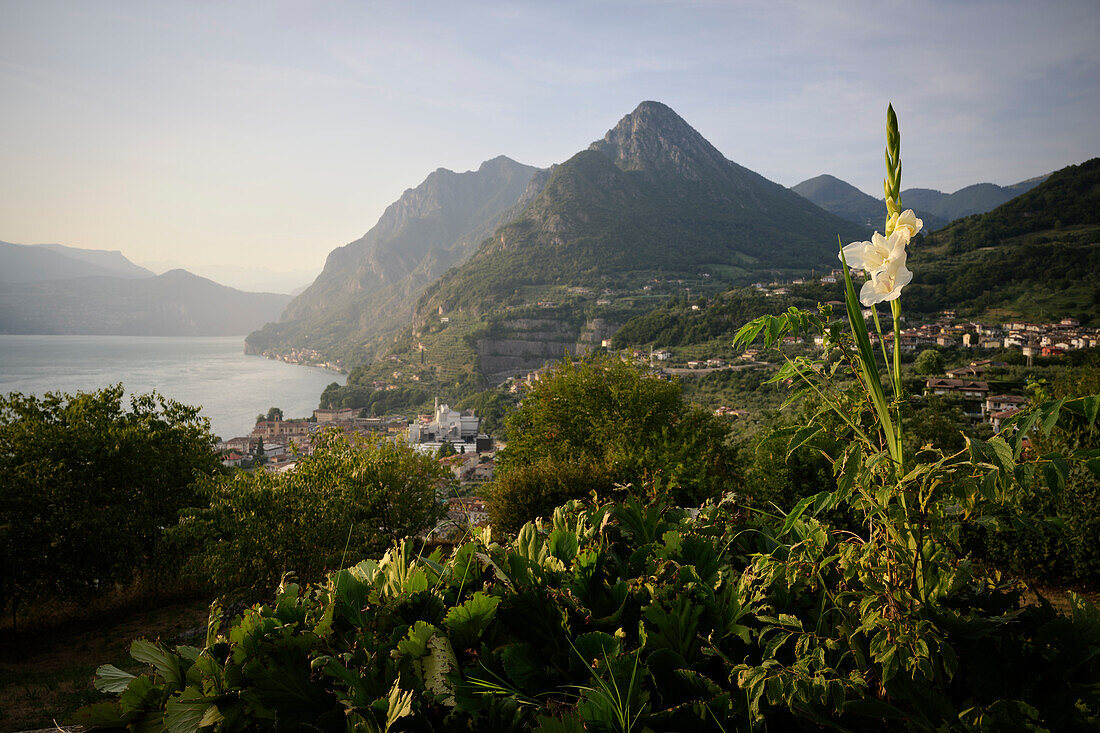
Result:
pixel 654 138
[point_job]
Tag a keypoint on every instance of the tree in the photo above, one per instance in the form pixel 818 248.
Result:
pixel 604 412
pixel 348 500
pixel 88 484
pixel 929 361
pixel 274 413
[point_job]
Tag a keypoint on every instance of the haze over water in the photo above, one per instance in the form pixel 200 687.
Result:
pixel 212 372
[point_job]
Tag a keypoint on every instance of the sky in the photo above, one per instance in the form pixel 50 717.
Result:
pixel 265 134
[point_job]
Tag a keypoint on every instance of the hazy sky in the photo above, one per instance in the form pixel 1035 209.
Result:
pixel 268 133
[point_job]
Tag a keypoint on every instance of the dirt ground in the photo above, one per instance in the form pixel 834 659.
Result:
pixel 46 675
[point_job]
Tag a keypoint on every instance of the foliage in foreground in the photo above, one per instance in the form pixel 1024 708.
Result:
pixel 626 617
pixel 87 485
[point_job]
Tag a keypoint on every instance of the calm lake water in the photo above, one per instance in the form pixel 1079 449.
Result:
pixel 211 372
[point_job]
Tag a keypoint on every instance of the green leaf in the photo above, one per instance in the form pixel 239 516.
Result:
pixel 211 716
pixel 596 645
pixel 102 715
pixel 748 333
pixel 467 621
pixel 112 680
pixel 1051 412
pixel 415 643
pixel 184 713
pixel 1056 471
pixel 524 666
pixel 166 663
pixel 801 437
pixel 398 704
pixel 1003 453
pixel 141 695
pixel 564 545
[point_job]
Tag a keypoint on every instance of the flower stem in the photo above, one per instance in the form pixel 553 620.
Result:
pixel 895 309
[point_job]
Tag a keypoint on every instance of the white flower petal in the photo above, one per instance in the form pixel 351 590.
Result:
pixel 855 254
pixel 908 222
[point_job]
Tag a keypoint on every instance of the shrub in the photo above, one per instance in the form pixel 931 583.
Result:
pixel 88 484
pixel 349 498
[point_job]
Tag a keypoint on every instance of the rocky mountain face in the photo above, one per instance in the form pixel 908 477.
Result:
pixel 176 303
pixel 368 288
pixel 652 196
pixel 848 202
pixel 650 210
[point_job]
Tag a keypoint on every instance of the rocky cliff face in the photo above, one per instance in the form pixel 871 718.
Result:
pixel 651 195
pixel 368 287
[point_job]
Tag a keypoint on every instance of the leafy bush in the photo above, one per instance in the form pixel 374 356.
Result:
pixel 625 617
pixel 605 412
pixel 535 489
pixel 88 484
pixel 348 499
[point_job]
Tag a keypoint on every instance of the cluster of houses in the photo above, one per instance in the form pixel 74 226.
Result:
pixel 1031 339
pixel 777 288
pixel 308 357
pixel 280 441
pixel 974 393
pixel 469 454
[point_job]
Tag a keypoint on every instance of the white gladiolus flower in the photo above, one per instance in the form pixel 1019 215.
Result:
pixel 906 222
pixel 877 253
pixel 886 282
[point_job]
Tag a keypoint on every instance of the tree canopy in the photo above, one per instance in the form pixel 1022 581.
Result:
pixel 626 426
pixel 88 484
pixel 348 500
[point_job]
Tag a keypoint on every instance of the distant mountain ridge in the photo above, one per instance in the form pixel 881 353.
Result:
pixel 974 199
pixel 848 202
pixel 368 288
pixel 23 263
pixel 176 303
pixel 1036 256
pixel 936 208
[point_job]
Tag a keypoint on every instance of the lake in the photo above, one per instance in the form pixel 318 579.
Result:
pixel 211 372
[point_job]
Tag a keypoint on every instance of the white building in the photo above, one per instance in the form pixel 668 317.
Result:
pixel 446 425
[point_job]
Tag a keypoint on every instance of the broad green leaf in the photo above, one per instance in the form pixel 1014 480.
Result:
pixel 467 621
pixel 801 437
pixel 1056 471
pixel 415 643
pixel 398 705
pixel 1002 452
pixel 748 333
pixel 564 545
pixel 436 665
pixel 596 645
pixel 166 663
pixel 1051 410
pixel 211 717
pixel 112 680
pixel 524 666
pixel 183 714
pixel 101 714
pixel 141 695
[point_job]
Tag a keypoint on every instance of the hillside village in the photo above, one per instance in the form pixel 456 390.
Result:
pixel 454 436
